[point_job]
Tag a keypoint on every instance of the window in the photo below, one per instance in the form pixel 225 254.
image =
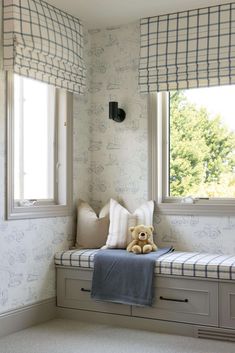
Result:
pixel 39 149
pixel 193 167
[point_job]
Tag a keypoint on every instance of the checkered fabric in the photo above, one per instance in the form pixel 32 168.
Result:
pixel 192 264
pixel 195 264
pixel 43 43
pixel 76 258
pixel 189 49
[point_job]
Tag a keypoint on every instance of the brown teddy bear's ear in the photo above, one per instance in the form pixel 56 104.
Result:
pixel 151 228
pixel 131 229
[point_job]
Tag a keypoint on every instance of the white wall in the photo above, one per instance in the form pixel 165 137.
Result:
pixel 119 151
pixel 27 247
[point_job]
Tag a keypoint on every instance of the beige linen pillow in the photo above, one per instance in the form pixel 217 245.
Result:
pixel 121 219
pixel 92 230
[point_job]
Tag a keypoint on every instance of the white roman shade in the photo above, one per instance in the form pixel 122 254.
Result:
pixel 43 43
pixel 189 49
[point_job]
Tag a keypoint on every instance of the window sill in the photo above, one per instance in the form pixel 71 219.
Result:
pixel 39 212
pixel 196 209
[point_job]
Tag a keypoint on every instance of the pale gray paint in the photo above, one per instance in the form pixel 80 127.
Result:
pixel 210 302
pixel 19 319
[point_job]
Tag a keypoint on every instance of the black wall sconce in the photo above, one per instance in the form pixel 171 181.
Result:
pixel 115 113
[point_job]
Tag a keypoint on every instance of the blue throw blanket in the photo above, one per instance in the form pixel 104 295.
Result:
pixel 123 277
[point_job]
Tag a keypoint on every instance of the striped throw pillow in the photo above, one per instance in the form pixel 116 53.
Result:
pixel 121 219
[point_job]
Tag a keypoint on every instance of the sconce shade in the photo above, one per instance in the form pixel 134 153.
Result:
pixel 115 113
pixel 113 110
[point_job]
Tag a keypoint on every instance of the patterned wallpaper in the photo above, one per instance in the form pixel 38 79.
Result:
pixel 110 160
pixel 119 151
pixel 192 233
pixel 27 247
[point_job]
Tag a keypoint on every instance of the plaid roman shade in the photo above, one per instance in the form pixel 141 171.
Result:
pixel 189 49
pixel 43 43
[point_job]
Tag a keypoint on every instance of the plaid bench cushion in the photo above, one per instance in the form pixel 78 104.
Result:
pixel 76 258
pixel 192 264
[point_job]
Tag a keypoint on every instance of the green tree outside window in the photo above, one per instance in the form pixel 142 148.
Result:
pixel 202 151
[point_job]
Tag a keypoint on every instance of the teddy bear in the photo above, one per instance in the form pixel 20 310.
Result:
pixel 142 240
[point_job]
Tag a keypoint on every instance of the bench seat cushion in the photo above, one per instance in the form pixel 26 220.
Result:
pixel 192 264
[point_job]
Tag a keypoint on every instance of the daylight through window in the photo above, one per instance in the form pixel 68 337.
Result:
pixel 201 148
pixel 39 149
pixel 33 140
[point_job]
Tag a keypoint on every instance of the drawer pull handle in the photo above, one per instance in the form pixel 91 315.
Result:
pixel 175 300
pixel 85 290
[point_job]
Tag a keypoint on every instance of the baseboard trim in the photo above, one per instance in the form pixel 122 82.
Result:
pixel 160 326
pixel 26 316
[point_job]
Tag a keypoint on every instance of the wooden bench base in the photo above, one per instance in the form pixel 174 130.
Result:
pixel 182 304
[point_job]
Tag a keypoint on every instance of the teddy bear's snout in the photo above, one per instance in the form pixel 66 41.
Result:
pixel 143 236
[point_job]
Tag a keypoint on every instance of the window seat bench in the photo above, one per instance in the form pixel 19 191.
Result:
pixel 191 289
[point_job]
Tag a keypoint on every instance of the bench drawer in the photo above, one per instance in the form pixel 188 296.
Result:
pixel 227 305
pixel 183 300
pixel 73 291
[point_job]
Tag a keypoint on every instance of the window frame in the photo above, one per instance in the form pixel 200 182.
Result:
pixel 158 133
pixel 42 208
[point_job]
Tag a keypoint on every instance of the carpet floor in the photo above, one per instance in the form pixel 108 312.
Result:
pixel 65 336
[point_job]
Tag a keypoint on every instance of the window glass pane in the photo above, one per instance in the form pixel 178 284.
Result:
pixel 33 140
pixel 202 142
